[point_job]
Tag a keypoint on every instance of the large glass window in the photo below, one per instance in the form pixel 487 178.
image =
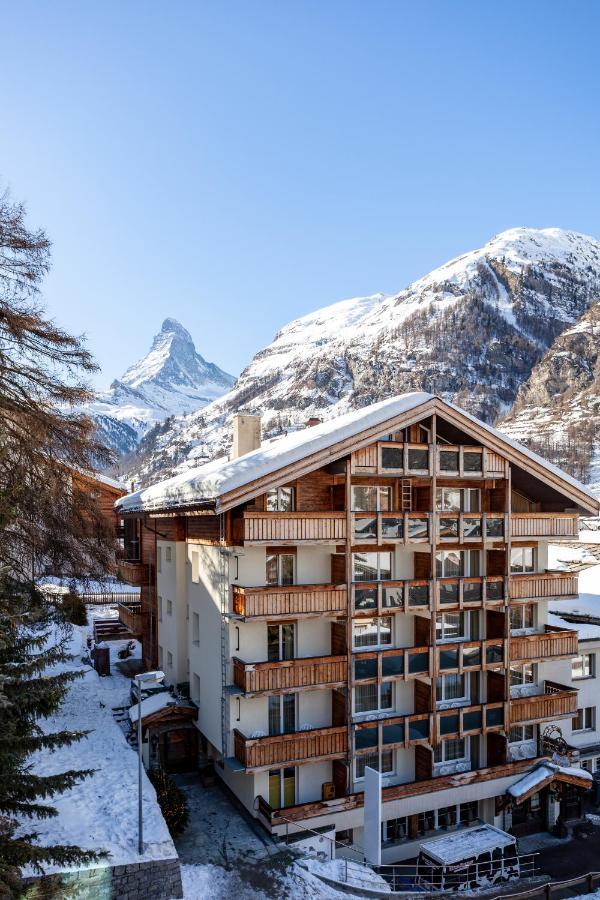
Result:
pixel 458 500
pixel 451 626
pixel 282 787
pixel 280 641
pixel 583 666
pixel 373 697
pixel 585 720
pixel 522 559
pixel 455 563
pixel 372 566
pixel 522 616
pixel 371 498
pixel 281 500
pixel 519 733
pixel 451 750
pixel 282 714
pixel 452 687
pixel 280 568
pixel 376 632
pixel 524 673
pixel 383 762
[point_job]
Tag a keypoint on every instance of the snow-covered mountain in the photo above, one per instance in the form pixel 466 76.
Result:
pixel 557 410
pixel 171 380
pixel 471 331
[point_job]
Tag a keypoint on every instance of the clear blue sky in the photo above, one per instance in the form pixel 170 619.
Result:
pixel 238 164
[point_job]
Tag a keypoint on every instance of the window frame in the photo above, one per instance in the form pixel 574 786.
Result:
pixel 379 687
pixel 522 568
pixel 379 753
pixel 379 568
pixel 442 682
pixel 357 623
pixel 278 565
pixel 522 608
pixel 380 490
pixel 592 666
pixel 442 745
pixel 278 494
pixel 454 638
pixel 584 710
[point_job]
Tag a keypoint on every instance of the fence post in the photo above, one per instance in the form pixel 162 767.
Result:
pixel 346 869
pixel 548 891
pixel 590 882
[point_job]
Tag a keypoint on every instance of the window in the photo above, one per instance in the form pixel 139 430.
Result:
pixel 371 498
pixel 452 687
pixel 394 830
pixel 371 566
pixel 282 787
pixel 382 761
pixel 522 616
pixel 195 558
pixel 280 641
pixel 458 500
pixel 187 612
pixel 167 554
pixel 523 674
pixel 468 812
pixel 454 563
pixel 451 751
pixel 169 659
pixel 373 697
pixel 519 733
pixel 583 666
pixel 195 628
pixel 195 688
pixel 282 714
pixel 522 559
pixel 159 559
pixel 160 657
pixel 160 608
pixel 280 568
pixel 585 720
pixel 169 607
pixel 451 626
pixel 372 632
pixel 281 500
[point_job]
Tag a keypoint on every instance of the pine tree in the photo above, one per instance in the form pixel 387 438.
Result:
pixel 48 521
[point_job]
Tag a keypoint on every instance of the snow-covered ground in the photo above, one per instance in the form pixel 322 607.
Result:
pixel 101 812
pixel 293 883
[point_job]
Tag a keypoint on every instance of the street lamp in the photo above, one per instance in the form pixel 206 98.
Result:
pixel 148 680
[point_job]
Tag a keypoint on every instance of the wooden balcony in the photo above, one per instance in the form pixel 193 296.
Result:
pixel 552 643
pixel 464 528
pixel 133 572
pixel 290 675
pixel 130 615
pixel 468 656
pixel 396 458
pixel 301 601
pixel 392 733
pixel 370 666
pixel 415 595
pixel 302 811
pixel 313 745
pixel 542 585
pixel 290 528
pixel 556 701
pixel 391 527
pixel 557 526
pixel 470 720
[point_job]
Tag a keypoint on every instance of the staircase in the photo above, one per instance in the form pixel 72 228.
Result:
pixel 110 630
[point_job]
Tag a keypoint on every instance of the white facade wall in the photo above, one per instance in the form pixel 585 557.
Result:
pixel 172 627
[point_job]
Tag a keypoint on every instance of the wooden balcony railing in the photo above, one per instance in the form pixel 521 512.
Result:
pixel 465 720
pixel 291 600
pixel 466 528
pixel 290 674
pixel 289 527
pixel 541 585
pixel 395 732
pixel 391 527
pixel 373 665
pixel 387 597
pixel 552 643
pixel 130 615
pixel 133 572
pixel 555 702
pixel 465 656
pixel 396 458
pixel 290 749
pixel 545 525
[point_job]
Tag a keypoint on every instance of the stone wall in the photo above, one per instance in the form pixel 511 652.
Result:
pixel 158 880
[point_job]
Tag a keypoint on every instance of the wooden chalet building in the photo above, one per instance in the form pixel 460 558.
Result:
pixel 372 590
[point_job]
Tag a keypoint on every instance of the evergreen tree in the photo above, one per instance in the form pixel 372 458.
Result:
pixel 49 521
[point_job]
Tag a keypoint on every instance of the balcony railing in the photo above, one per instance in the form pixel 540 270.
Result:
pixel 556 701
pixel 465 656
pixel 465 720
pixel 289 528
pixel 545 525
pixel 391 527
pixel 391 733
pixel 130 615
pixel 133 572
pixel 463 528
pixel 412 662
pixel 290 674
pixel 387 597
pixel 552 643
pixel 542 585
pixel 297 600
pixel 396 458
pixel 289 749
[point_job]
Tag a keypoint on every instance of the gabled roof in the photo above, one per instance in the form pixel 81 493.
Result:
pixel 226 483
pixel 544 774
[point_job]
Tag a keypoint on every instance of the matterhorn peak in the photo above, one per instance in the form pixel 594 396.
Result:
pixel 172 326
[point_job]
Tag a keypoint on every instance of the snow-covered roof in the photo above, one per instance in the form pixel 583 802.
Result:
pixel 541 773
pixel 151 705
pixel 466 844
pixel 219 477
pixel 111 482
pixel 586 631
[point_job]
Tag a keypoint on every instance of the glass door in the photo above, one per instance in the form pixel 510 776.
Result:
pixel 282 714
pixel 280 641
pixel 282 787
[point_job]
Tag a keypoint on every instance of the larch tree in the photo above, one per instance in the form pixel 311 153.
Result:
pixel 49 522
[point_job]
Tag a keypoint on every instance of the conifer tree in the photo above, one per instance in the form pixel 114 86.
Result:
pixel 49 521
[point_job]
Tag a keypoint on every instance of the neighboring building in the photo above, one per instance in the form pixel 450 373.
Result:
pixel 372 590
pixel 106 491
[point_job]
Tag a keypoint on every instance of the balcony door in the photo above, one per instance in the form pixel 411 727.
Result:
pixel 280 568
pixel 456 563
pixel 281 641
pixel 282 714
pixel 282 787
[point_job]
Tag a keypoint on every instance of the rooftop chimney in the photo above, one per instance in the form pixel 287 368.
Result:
pixel 246 434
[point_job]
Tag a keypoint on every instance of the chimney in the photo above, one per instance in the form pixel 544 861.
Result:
pixel 246 434
pixel 310 423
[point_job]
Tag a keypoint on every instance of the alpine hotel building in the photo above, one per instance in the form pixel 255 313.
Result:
pixel 372 590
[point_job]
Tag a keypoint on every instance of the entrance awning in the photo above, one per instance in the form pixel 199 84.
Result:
pixel 546 773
